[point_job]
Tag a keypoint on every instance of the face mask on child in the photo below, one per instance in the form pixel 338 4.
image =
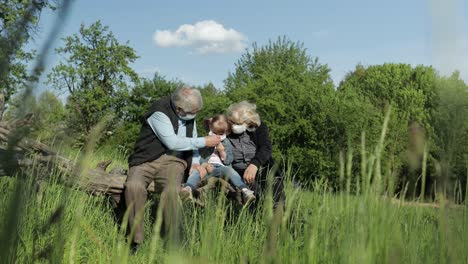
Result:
pixel 223 136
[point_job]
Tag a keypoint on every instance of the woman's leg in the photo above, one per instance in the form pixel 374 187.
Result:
pixel 259 185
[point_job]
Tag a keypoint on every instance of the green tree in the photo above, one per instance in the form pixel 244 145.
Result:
pixel 295 97
pixel 411 93
pixel 96 74
pixel 450 148
pixel 18 22
pixel 50 117
pixel 135 103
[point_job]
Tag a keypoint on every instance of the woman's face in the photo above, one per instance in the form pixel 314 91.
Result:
pixel 240 127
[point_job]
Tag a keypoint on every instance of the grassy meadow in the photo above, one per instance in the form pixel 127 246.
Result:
pixel 47 222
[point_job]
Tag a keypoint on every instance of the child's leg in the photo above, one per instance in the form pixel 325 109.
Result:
pixel 231 174
pixel 193 179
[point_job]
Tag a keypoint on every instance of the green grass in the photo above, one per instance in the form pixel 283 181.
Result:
pixel 316 227
pixel 49 222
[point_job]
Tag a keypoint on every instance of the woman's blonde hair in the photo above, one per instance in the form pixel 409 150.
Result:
pixel 244 112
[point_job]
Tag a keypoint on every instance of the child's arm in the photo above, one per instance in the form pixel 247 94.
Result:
pixel 221 150
pixel 228 151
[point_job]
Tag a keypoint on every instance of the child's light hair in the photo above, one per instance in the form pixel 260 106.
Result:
pixel 244 112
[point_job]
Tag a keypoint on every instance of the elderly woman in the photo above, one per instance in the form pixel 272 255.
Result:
pixel 252 149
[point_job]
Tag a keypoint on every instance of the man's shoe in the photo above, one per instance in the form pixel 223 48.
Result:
pixel 134 247
pixel 186 194
pixel 248 196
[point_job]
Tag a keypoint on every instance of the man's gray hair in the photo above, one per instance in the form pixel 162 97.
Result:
pixel 187 98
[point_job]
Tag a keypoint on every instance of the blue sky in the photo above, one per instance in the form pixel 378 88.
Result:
pixel 340 33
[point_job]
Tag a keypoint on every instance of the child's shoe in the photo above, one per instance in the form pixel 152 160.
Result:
pixel 248 196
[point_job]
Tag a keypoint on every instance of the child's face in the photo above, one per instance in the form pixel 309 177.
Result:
pixel 219 127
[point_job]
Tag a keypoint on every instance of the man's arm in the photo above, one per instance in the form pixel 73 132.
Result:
pixel 162 127
pixel 196 154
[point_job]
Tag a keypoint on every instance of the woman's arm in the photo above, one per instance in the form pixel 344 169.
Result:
pixel 264 150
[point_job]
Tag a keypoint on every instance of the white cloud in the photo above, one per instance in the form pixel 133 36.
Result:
pixel 205 37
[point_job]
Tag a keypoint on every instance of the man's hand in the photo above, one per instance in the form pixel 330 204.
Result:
pixel 200 169
pixel 250 173
pixel 211 141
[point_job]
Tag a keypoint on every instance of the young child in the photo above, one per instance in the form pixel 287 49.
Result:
pixel 217 163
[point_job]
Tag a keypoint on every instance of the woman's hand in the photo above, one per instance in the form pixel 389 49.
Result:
pixel 250 173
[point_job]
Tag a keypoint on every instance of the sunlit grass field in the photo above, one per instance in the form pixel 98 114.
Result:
pixel 62 224
pixel 45 221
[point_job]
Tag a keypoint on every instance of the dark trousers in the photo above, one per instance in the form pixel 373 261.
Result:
pixel 260 184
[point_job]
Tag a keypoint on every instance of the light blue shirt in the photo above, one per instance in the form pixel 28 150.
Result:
pixel 162 127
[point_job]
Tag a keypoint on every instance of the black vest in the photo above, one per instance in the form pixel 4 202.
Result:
pixel 148 147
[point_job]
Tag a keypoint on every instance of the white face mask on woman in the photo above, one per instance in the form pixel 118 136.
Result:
pixel 238 129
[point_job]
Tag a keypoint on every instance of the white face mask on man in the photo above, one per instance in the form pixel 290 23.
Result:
pixel 188 117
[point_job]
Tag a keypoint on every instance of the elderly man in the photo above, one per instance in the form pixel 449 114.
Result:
pixel 167 143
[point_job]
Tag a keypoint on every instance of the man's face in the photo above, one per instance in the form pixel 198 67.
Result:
pixel 186 116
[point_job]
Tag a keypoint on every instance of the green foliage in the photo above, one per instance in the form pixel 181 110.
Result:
pixel 96 74
pixel 411 93
pixel 50 115
pixel 450 148
pixel 135 103
pixel 295 97
pixel 18 21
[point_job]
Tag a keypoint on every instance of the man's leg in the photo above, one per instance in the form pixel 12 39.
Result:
pixel 169 176
pixel 139 177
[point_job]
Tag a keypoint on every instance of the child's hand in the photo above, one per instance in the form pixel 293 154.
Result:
pixel 199 168
pixel 220 147
pixel 208 168
pixel 222 154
